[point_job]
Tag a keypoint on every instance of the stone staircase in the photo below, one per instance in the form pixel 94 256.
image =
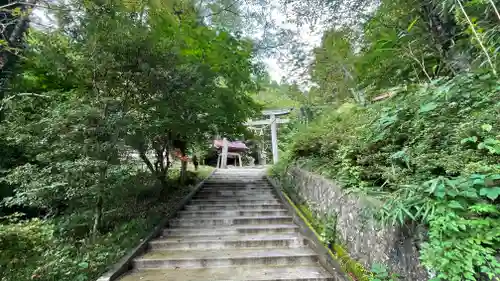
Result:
pixel 233 229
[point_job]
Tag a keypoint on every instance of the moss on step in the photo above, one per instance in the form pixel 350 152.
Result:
pixel 350 265
pixel 354 269
pixel 318 227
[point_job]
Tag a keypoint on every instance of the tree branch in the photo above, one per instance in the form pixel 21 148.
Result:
pixel 148 163
pixel 225 9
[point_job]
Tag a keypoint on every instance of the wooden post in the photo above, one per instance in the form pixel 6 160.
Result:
pixel 225 149
pixel 274 138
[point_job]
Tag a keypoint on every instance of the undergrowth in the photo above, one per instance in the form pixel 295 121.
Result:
pixel 431 153
pixel 61 247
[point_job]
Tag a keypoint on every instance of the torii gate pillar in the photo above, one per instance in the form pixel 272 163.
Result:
pixel 274 138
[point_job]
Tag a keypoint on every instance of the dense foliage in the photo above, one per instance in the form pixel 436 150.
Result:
pixel 406 41
pixel 60 247
pixel 92 121
pixel 102 102
pixel 431 150
pixel 431 154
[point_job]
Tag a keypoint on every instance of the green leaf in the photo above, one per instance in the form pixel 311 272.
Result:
pixel 16 11
pixel 452 192
pixel 486 127
pixel 440 193
pixel 469 193
pixel 479 182
pixel 83 265
pixel 469 139
pixel 491 193
pixel 485 76
pixel 432 185
pixel 412 24
pixel 494 177
pixel 428 107
pixel 455 205
pixel 483 208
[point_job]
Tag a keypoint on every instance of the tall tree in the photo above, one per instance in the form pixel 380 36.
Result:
pixel 121 78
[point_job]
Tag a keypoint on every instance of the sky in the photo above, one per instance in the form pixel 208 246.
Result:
pixel 276 68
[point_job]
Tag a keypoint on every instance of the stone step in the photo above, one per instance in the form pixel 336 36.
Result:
pixel 238 190
pixel 234 229
pixel 262 197
pixel 237 186
pixel 232 201
pixel 306 272
pixel 233 207
pixel 196 222
pixel 236 180
pixel 237 177
pixel 226 257
pixel 233 213
pixel 229 242
pixel 240 170
pixel 231 188
pixel 231 230
pixel 236 199
pixel 237 194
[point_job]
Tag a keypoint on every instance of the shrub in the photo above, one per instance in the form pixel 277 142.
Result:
pixel 431 154
pixel 23 243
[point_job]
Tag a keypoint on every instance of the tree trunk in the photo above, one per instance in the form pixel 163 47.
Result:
pixel 195 162
pixel 443 30
pixel 146 161
pixel 97 217
pixel 158 171
pixel 182 146
pixel 162 180
pixel 100 202
pixel 183 175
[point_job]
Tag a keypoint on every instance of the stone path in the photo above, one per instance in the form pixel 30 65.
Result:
pixel 233 229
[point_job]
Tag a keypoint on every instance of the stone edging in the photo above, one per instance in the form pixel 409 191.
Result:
pixel 326 257
pixel 124 264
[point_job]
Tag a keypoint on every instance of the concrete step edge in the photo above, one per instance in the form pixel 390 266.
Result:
pixel 259 273
pixel 238 227
pixel 247 200
pixel 252 190
pixel 228 238
pixel 234 205
pixel 238 218
pixel 235 210
pixel 220 256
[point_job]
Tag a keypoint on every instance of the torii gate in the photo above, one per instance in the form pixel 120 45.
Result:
pixel 273 121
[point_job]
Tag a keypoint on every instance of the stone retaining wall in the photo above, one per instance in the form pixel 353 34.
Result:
pixel 366 240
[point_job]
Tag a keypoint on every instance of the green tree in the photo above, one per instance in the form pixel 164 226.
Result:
pixel 126 82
